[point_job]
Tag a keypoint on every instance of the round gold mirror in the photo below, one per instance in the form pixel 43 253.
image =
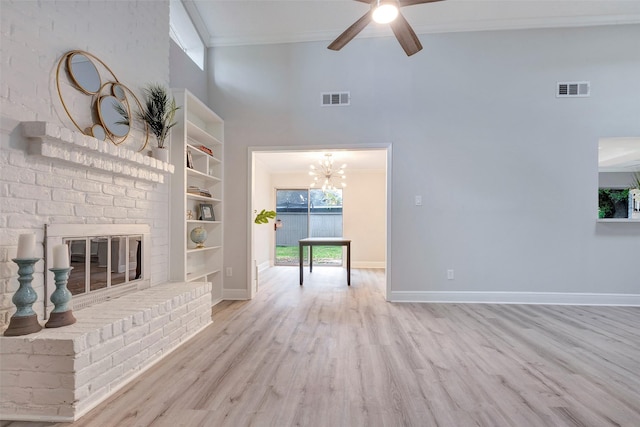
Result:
pixel 118 91
pixel 97 131
pixel 110 112
pixel 84 73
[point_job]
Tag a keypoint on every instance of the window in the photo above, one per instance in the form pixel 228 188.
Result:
pixel 308 213
pixel 184 33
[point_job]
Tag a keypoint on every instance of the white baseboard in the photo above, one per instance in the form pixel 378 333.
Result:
pixel 264 265
pixel 368 264
pixel 235 294
pixel 517 298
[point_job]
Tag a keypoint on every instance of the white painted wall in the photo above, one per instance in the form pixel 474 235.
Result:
pixel 186 74
pixel 263 198
pixel 507 171
pixel 133 40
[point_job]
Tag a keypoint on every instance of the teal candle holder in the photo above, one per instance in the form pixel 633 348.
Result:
pixel 25 320
pixel 61 315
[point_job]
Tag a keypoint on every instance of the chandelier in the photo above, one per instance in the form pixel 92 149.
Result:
pixel 326 175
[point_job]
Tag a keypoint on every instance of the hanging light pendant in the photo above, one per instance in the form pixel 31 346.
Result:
pixel 330 177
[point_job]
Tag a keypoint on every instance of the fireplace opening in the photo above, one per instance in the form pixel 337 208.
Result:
pixel 108 260
pixel 104 261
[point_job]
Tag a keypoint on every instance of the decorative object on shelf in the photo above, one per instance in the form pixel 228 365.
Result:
pixel 194 189
pixel 206 150
pixel 328 174
pixel 198 236
pixel 189 214
pixel 108 98
pixel 264 216
pixel 159 112
pixel 206 212
pixel 189 159
pixel 61 315
pixel 24 321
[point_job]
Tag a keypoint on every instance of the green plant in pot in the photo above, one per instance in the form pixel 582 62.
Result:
pixel 158 112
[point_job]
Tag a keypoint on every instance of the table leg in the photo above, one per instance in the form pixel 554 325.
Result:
pixel 310 258
pixel 349 264
pixel 301 263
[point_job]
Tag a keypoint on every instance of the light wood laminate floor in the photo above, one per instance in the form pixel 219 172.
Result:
pixel 325 354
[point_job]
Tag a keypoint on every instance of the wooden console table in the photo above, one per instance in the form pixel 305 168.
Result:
pixel 324 241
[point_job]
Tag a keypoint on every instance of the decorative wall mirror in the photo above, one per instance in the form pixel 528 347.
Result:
pixel 108 114
pixel 618 179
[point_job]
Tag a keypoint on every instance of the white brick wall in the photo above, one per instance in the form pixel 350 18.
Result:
pixel 60 374
pixel 132 38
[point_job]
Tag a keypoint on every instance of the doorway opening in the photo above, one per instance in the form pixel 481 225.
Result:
pixel 365 212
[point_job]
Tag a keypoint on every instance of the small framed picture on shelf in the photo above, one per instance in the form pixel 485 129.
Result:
pixel 206 212
pixel 189 159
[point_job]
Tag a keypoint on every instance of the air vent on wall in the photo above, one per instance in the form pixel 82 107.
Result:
pixel 335 98
pixel 573 89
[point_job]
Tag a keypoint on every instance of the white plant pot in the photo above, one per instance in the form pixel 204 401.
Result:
pixel 161 154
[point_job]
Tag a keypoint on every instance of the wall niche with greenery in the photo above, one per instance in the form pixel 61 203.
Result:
pixel 613 203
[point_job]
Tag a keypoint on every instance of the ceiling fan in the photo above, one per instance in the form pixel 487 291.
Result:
pixel 385 11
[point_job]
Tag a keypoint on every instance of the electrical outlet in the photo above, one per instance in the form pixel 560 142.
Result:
pixel 229 272
pixel 450 275
pixel 418 200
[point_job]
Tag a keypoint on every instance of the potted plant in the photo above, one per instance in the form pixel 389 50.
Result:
pixel 158 113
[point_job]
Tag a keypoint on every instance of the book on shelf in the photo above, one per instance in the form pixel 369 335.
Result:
pixel 192 189
pixel 205 149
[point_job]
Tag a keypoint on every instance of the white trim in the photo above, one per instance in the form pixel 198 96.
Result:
pixel 264 265
pixel 368 264
pixel 235 294
pixel 562 298
pixel 434 28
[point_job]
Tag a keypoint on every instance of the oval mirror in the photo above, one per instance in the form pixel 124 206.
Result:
pixel 110 111
pixel 97 131
pixel 118 91
pixel 84 73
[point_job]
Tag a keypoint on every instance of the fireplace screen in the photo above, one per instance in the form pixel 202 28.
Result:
pixel 103 262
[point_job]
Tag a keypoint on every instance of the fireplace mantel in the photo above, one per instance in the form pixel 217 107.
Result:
pixel 50 140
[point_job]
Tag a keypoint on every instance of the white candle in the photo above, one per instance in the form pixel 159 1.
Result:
pixel 60 256
pixel 26 246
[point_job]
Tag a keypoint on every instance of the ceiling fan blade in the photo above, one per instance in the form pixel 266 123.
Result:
pixel 351 32
pixel 364 1
pixel 404 3
pixel 405 35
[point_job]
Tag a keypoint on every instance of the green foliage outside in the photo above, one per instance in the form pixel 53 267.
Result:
pixel 321 254
pixel 607 200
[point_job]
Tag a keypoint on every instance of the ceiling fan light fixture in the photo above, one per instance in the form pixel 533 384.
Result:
pixel 385 11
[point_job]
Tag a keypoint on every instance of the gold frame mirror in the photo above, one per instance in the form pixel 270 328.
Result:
pixel 110 104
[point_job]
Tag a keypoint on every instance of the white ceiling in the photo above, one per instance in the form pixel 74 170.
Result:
pixel 241 22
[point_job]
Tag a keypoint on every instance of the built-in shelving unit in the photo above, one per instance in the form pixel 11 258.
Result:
pixel 197 153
